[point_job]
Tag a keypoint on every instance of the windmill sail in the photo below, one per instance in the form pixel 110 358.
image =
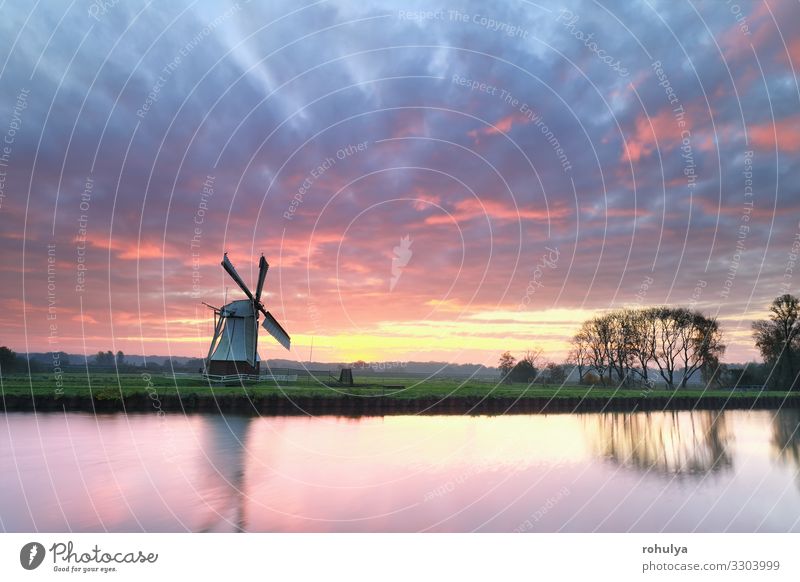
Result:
pixel 226 264
pixel 275 330
pixel 263 267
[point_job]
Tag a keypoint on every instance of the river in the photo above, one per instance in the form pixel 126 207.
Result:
pixel 613 472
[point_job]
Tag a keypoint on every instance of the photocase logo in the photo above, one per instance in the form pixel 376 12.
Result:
pixel 31 555
pixel 402 254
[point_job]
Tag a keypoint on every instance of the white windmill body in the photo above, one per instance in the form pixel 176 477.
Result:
pixel 238 337
pixel 234 347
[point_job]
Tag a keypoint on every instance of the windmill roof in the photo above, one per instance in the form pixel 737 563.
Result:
pixel 239 308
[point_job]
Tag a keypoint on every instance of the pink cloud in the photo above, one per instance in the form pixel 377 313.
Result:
pixel 470 208
pixel 651 131
pixel 501 126
pixel 785 133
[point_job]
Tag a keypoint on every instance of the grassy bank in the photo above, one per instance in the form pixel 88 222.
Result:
pixel 143 393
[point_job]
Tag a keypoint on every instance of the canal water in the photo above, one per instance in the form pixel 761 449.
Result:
pixel 615 472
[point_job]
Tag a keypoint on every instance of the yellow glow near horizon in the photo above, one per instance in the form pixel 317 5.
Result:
pixel 476 337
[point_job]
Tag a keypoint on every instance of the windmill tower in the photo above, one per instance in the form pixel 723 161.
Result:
pixel 234 347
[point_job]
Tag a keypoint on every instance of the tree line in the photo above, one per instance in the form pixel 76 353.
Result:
pixel 13 363
pixel 630 346
pixel 527 370
pixel 641 346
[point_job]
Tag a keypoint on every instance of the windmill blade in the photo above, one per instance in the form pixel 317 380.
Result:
pixel 226 264
pixel 263 266
pixel 275 330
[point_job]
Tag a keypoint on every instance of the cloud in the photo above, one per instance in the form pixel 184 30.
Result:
pixel 784 134
pixel 261 99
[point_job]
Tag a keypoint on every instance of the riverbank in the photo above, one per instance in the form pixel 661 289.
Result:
pixel 137 393
pixel 288 404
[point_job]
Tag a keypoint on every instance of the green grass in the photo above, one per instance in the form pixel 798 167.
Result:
pixel 111 386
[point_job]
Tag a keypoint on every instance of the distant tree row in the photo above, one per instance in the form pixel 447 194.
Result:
pixel 11 363
pixel 118 361
pixel 525 370
pixel 108 359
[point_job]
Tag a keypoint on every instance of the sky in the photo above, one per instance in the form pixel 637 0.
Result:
pixel 428 181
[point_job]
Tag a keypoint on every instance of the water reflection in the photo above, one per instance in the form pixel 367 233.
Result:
pixel 78 472
pixel 786 437
pixel 674 443
pixel 220 477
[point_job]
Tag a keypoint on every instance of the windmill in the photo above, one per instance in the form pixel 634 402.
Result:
pixel 234 347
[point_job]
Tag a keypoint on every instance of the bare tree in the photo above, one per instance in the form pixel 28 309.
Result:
pixel 666 333
pixel 629 346
pixel 613 336
pixel 643 342
pixel 579 354
pixel 597 333
pixel 701 343
pixel 683 338
pixel 531 356
pixel 505 365
pixel 621 345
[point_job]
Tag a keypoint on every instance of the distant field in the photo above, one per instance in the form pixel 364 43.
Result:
pixel 105 386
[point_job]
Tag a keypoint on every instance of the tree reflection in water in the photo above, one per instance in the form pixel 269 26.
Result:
pixel 677 443
pixel 786 437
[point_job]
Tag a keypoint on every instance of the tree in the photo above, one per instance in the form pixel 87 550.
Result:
pixel 8 360
pixel 683 338
pixel 778 340
pixel 752 374
pixel 578 355
pixel 643 343
pixel 120 358
pixel 506 364
pixel 591 379
pixel 596 332
pixel 712 372
pixel 524 371
pixel 665 348
pixel 104 358
pixel 556 374
pixel 700 345
pixel 621 345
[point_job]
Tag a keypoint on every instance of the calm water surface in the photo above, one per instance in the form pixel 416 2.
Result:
pixel 681 471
